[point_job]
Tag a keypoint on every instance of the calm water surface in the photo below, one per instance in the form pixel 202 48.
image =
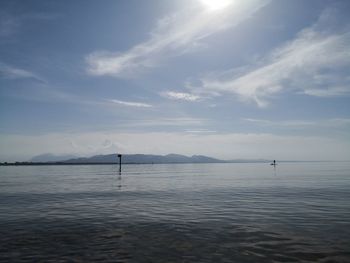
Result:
pixel 298 212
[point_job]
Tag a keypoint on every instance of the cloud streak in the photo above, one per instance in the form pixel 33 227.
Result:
pixel 9 72
pixel 226 146
pixel 131 104
pixel 314 63
pixel 325 123
pixel 174 35
pixel 180 96
pixel 8 24
pixel 166 122
pixel 11 23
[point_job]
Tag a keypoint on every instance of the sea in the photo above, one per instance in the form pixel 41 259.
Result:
pixel 227 212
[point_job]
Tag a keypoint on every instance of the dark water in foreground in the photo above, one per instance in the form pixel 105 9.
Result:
pixel 176 213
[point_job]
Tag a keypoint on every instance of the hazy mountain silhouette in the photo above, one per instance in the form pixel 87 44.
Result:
pixel 49 157
pixel 145 158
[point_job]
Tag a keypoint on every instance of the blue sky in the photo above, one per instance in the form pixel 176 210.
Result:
pixel 225 78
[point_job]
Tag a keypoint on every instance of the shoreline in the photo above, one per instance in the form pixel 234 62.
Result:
pixel 117 163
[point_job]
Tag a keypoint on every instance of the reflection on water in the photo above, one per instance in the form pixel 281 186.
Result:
pixel 176 213
pixel 119 179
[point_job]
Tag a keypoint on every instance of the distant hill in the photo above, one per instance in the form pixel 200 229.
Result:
pixel 144 159
pixel 49 157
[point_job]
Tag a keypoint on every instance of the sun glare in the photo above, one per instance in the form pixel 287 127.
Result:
pixel 214 5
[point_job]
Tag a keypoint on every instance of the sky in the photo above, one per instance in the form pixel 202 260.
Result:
pixel 231 79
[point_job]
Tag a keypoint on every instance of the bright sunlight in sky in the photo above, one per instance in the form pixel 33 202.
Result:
pixel 213 5
pixel 231 79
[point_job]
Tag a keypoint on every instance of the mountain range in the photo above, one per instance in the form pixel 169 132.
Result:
pixel 135 159
pixel 49 157
pixel 145 159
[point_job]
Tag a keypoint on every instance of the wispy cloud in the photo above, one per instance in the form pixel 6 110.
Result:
pixel 315 63
pixel 226 146
pixel 8 24
pixel 131 103
pixel 11 23
pixel 174 35
pixel 9 72
pixel 180 96
pixel 174 121
pixel 200 131
pixel 333 91
pixel 334 122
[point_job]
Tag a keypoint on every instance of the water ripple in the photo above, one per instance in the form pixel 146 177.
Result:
pixel 175 213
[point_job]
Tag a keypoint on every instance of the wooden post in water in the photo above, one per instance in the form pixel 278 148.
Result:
pixel 120 162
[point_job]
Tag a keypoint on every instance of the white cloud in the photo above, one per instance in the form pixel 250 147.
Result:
pixel 294 123
pixel 200 131
pixel 11 23
pixel 226 146
pixel 9 72
pixel 156 122
pixel 180 96
pixel 174 35
pixel 335 122
pixel 315 63
pixel 131 104
pixel 334 91
pixel 8 24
